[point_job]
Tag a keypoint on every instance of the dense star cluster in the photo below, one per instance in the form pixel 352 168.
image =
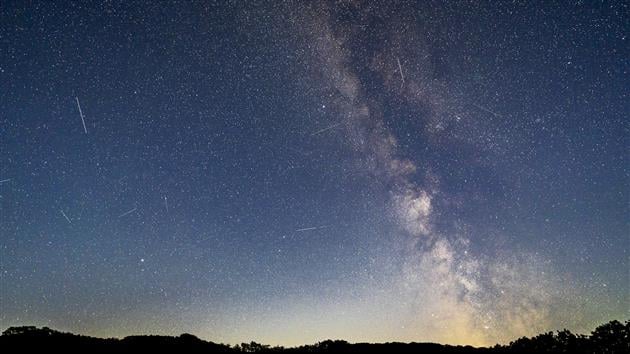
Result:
pixel 292 171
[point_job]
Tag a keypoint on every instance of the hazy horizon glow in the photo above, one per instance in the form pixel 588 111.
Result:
pixel 289 172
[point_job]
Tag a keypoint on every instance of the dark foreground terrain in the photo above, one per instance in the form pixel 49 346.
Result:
pixel 613 337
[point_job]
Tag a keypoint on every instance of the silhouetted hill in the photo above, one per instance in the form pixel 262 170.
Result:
pixel 610 338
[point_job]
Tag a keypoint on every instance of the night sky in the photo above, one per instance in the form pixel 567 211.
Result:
pixel 288 172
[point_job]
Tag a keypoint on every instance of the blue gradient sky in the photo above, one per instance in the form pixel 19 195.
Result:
pixel 288 172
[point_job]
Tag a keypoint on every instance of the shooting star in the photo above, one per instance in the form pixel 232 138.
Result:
pixel 81 113
pixel 5 180
pixel 127 212
pixel 306 153
pixel 311 228
pixel 402 76
pixel 327 128
pixel 166 203
pixel 487 110
pixel 65 216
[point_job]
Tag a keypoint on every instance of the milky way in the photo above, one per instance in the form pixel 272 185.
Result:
pixel 288 172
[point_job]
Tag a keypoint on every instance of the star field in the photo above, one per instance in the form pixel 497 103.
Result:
pixel 288 172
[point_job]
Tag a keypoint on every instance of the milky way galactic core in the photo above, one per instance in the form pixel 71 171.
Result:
pixel 294 171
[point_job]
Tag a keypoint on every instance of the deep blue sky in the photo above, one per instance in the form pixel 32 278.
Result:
pixel 293 171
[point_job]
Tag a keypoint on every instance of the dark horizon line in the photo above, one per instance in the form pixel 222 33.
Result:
pixel 6 333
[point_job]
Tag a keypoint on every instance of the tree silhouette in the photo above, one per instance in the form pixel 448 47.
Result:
pixel 609 338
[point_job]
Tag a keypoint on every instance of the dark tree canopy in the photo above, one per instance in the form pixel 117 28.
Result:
pixel 610 338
